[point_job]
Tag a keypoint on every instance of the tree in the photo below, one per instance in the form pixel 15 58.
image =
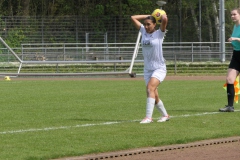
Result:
pixel 24 7
pixel 216 19
pixel 184 14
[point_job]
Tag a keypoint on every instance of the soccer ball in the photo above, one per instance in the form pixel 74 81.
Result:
pixel 7 78
pixel 157 14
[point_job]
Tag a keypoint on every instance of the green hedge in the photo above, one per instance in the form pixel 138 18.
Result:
pixel 182 69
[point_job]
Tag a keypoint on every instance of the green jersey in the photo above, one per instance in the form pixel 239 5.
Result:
pixel 236 34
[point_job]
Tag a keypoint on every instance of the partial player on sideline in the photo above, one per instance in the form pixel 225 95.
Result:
pixel 234 66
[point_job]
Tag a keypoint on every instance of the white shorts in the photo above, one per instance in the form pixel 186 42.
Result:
pixel 160 74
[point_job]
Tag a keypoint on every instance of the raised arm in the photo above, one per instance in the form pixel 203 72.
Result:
pixel 163 25
pixel 136 20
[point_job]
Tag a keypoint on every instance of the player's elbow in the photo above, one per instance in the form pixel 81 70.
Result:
pixel 164 18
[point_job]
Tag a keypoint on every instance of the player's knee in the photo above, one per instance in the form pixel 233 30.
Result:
pixel 150 90
pixel 230 80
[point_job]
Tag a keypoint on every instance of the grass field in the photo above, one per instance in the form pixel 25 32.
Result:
pixel 45 119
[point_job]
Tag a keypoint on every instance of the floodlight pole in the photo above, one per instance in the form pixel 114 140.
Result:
pixel 222 29
pixel 160 3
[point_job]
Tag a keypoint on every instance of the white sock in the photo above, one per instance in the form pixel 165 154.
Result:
pixel 150 107
pixel 160 107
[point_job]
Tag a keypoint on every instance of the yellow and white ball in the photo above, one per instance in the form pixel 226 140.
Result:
pixel 157 14
pixel 7 78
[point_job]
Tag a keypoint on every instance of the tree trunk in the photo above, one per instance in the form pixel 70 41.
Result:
pixel 10 8
pixel 209 25
pixel 216 19
pixel 25 7
pixel 120 18
pixel 195 22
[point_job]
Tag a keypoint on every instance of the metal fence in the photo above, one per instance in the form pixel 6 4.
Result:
pixel 185 51
pixel 115 58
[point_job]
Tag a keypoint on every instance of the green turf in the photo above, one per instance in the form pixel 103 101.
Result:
pixel 51 119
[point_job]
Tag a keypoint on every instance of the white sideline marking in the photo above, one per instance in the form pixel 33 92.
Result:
pixel 99 124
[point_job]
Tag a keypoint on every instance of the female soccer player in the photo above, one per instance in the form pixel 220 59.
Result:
pixel 154 63
pixel 234 66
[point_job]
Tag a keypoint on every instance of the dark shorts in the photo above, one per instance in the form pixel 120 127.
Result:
pixel 235 61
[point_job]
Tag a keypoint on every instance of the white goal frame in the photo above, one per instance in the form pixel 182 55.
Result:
pixel 22 62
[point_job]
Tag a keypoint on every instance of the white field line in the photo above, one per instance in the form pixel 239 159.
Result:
pixel 99 124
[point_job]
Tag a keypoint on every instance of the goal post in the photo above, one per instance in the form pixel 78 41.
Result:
pixel 135 53
pixel 55 54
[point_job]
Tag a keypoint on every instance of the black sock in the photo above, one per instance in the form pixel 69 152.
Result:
pixel 230 94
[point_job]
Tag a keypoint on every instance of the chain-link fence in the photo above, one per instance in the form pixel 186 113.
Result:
pixel 75 29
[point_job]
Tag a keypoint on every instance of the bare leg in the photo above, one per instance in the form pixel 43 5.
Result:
pixel 150 89
pixel 231 76
pixel 151 95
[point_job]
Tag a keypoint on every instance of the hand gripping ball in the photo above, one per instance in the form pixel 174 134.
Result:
pixel 157 14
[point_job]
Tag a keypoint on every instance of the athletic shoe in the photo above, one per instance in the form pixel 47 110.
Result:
pixel 146 120
pixel 164 119
pixel 227 109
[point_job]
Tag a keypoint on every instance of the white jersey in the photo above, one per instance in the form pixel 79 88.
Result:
pixel 152 49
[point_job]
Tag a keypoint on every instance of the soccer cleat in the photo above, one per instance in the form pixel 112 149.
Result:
pixel 164 119
pixel 146 120
pixel 227 109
